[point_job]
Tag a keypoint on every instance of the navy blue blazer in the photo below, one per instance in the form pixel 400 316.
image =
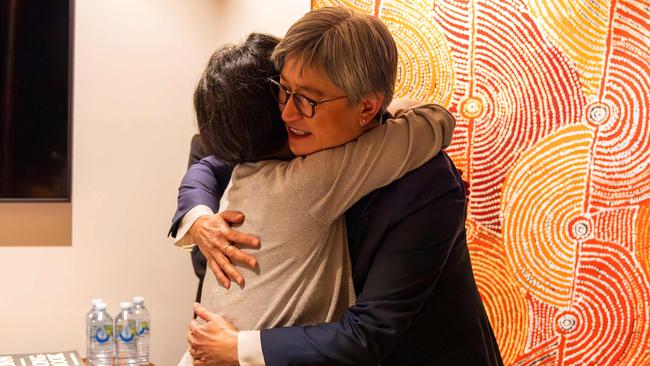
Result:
pixel 417 303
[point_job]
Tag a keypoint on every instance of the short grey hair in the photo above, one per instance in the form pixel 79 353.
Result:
pixel 356 51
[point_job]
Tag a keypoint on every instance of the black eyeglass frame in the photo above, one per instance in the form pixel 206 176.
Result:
pixel 281 89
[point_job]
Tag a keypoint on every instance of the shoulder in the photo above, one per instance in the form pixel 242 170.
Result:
pixel 263 169
pixel 440 171
pixel 197 149
pixel 435 179
pixel 436 185
pixel 424 208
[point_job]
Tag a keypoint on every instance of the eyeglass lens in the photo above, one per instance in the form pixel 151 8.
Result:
pixel 281 94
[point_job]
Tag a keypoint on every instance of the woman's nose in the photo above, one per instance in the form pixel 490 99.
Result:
pixel 290 112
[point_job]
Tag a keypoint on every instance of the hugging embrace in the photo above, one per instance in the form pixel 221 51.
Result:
pixel 352 250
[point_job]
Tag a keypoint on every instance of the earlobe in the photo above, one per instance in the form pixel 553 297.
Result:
pixel 371 105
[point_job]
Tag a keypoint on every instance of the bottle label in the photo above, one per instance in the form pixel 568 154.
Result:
pixel 126 334
pixel 102 334
pixel 143 327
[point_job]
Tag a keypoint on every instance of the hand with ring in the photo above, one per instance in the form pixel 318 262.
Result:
pixel 219 244
pixel 214 342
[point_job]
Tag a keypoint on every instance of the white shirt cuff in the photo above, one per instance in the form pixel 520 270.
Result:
pixel 249 348
pixel 183 240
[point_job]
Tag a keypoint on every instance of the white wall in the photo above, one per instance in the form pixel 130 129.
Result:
pixel 136 63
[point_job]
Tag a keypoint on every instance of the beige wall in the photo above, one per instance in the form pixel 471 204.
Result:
pixel 136 63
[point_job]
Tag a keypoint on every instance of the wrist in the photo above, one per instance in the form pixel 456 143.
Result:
pixel 193 232
pixel 234 350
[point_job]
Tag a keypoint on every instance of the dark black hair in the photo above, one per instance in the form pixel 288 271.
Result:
pixel 238 117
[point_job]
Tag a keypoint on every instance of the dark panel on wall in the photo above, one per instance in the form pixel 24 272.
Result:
pixel 35 92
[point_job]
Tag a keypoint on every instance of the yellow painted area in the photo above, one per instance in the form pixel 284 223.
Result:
pixel 542 194
pixel 580 29
pixel 363 6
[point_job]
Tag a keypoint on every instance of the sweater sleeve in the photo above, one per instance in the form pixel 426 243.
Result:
pixel 330 181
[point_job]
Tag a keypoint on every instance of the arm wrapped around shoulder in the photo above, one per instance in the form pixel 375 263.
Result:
pixel 441 120
pixel 330 181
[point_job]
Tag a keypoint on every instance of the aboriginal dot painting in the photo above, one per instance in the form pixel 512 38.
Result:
pixel 552 101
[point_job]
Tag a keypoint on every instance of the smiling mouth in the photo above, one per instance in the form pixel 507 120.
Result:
pixel 299 132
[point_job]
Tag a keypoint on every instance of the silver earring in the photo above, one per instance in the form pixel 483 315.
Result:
pixel 362 123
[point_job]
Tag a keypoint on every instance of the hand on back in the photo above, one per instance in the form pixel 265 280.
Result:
pixel 220 245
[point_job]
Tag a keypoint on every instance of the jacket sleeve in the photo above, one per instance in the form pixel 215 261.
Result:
pixel 367 330
pixel 411 257
pixel 203 184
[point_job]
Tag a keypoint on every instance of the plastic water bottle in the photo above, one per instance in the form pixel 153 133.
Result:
pixel 143 327
pixel 89 317
pixel 125 336
pixel 100 336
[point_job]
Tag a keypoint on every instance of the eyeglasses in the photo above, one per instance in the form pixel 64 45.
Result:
pixel 305 106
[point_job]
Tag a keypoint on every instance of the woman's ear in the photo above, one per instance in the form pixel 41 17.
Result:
pixel 370 106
